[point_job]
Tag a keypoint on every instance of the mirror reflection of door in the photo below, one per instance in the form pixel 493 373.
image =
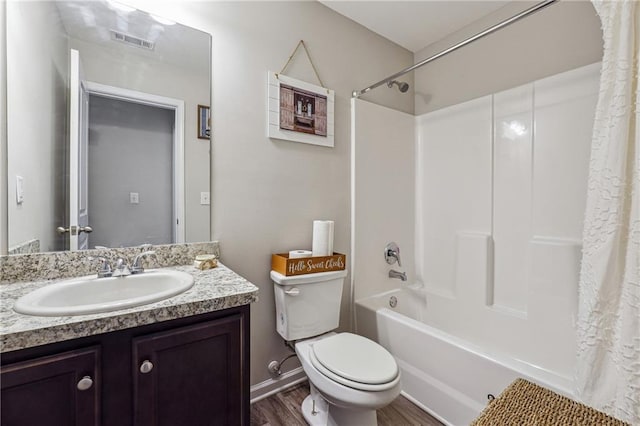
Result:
pixel 130 173
pixel 121 167
pixel 76 229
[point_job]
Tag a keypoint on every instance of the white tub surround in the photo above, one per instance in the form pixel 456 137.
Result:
pixel 500 187
pixel 609 304
pixel 382 200
pixel 501 184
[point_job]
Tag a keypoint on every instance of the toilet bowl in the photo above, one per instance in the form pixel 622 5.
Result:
pixel 350 377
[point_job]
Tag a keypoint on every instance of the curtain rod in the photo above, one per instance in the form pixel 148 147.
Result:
pixel 523 14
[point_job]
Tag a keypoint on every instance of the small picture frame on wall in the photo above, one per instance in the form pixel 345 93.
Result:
pixel 299 111
pixel 204 122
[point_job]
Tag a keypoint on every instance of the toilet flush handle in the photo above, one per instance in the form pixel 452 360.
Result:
pixel 292 292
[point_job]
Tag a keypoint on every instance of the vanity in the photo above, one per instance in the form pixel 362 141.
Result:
pixel 180 361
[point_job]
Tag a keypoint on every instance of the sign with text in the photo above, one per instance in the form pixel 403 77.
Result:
pixel 281 263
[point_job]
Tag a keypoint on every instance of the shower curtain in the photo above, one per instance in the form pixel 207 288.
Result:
pixel 608 326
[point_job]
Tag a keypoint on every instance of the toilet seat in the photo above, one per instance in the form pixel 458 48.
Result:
pixel 355 361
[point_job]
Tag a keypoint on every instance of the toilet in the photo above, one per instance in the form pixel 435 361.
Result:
pixel 350 376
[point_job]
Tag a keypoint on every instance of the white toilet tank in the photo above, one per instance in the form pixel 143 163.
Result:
pixel 307 305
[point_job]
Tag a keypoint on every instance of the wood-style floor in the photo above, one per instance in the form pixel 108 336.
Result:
pixel 283 409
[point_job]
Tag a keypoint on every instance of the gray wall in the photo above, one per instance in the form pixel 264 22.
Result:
pixel 130 150
pixel 266 193
pixel 563 36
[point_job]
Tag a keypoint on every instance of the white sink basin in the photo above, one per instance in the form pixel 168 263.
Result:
pixel 89 295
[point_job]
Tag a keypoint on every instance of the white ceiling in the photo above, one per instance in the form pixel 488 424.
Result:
pixel 414 24
pixel 92 21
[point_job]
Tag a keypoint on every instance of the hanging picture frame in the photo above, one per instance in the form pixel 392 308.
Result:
pixel 299 111
pixel 204 122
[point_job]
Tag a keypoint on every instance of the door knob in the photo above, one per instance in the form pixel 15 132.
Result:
pixel 146 366
pixel 85 383
pixel 74 230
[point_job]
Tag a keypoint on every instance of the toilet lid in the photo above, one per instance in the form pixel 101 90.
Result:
pixel 356 358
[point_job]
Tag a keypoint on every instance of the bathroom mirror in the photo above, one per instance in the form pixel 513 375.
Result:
pixel 103 147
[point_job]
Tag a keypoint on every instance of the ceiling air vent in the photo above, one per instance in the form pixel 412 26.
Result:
pixel 132 40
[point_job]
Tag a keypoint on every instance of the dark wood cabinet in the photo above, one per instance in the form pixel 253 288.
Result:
pixel 189 376
pixel 190 371
pixel 62 389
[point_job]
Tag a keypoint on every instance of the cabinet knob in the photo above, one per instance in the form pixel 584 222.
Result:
pixel 146 366
pixel 85 383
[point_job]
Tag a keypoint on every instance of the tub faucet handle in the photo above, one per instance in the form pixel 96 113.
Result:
pixel 392 254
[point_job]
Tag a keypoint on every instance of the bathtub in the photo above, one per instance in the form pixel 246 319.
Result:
pixel 446 376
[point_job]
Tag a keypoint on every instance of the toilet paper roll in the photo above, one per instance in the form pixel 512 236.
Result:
pixel 297 254
pixel 322 238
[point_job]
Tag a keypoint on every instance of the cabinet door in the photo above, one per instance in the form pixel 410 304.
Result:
pixel 61 389
pixel 190 375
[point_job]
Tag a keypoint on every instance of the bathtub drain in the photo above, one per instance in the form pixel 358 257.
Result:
pixel 393 301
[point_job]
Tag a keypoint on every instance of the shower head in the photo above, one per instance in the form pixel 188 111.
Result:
pixel 402 86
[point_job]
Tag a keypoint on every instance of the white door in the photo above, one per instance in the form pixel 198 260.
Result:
pixel 78 144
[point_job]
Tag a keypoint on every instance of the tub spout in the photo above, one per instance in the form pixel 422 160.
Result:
pixel 395 274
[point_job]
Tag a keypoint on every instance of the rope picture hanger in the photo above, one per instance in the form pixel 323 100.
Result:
pixel 304 46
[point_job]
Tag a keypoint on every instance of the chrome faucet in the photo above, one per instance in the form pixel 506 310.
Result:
pixel 395 274
pixel 136 266
pixel 121 268
pixel 392 254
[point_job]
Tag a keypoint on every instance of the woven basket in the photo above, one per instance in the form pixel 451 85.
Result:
pixel 524 403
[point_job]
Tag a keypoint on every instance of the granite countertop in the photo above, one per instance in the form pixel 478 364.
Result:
pixel 213 290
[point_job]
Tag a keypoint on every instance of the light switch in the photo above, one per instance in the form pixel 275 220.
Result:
pixel 19 190
pixel 205 198
pixel 134 198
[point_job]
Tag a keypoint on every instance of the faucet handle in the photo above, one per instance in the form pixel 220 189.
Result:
pixel 121 268
pixel 136 266
pixel 392 254
pixel 105 268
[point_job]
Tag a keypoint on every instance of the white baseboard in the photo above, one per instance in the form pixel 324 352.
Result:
pixel 271 386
